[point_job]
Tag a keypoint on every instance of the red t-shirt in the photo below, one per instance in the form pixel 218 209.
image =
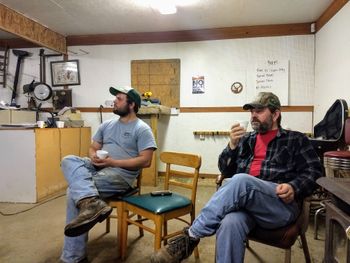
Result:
pixel 262 141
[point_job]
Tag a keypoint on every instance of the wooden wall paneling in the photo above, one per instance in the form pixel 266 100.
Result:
pixel 191 35
pixel 24 27
pixel 306 108
pixel 331 11
pixel 140 75
pixel 85 141
pixel 49 179
pixel 69 141
pixel 161 77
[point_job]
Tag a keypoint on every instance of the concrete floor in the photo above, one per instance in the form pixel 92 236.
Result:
pixel 36 236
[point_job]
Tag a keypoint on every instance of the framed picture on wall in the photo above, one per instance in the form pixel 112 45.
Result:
pixel 65 73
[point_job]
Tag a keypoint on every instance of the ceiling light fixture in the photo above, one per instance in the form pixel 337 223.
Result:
pixel 166 8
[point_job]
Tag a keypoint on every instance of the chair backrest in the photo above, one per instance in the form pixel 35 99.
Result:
pixel 332 125
pixel 182 165
pixel 347 131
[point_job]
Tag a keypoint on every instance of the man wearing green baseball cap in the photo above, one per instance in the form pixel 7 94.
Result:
pixel 270 171
pixel 131 93
pixel 264 100
pixel 129 144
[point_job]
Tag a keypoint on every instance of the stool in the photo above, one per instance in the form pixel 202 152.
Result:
pixel 335 161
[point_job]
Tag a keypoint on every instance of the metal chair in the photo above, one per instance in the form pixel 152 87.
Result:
pixel 283 237
pixel 182 170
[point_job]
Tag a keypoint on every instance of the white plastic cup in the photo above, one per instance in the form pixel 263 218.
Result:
pixel 60 124
pixel 243 124
pixel 101 154
pixel 41 124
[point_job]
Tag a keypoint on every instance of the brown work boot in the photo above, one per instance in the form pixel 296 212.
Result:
pixel 91 211
pixel 178 249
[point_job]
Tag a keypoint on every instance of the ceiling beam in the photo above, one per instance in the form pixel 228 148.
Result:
pixel 333 8
pixel 190 35
pixel 28 29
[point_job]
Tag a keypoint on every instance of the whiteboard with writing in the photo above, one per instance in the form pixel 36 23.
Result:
pixel 273 76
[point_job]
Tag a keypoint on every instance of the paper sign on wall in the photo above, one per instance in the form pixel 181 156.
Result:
pixel 273 76
pixel 198 84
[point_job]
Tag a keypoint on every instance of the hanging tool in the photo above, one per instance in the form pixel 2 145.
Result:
pixel 101 109
pixel 21 54
pixel 41 90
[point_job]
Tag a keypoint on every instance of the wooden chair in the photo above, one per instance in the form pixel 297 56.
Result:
pixel 283 237
pixel 161 209
pixel 115 201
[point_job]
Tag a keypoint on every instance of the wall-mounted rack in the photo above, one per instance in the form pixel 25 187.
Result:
pixel 212 133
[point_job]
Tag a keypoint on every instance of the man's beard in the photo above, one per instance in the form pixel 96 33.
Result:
pixel 262 127
pixel 122 112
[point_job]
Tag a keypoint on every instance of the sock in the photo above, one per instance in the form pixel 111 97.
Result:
pixel 190 233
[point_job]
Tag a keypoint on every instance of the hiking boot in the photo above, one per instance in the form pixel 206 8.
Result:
pixel 178 249
pixel 91 211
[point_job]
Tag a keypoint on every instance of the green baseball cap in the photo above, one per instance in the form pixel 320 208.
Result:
pixel 129 91
pixel 263 100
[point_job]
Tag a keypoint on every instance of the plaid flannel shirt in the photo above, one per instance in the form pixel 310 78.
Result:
pixel 290 158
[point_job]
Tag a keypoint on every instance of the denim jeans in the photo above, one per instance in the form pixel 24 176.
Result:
pixel 84 180
pixel 233 211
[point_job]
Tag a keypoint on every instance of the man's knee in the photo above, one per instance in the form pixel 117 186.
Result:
pixel 240 179
pixel 70 159
pixel 236 223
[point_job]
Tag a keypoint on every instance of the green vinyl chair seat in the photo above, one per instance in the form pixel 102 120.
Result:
pixel 158 204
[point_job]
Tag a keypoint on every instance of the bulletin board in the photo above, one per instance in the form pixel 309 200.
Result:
pixel 273 76
pixel 161 77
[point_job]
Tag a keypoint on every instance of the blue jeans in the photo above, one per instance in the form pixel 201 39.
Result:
pixel 233 211
pixel 84 181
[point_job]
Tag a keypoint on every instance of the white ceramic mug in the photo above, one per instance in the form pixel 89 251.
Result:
pixel 101 154
pixel 60 124
pixel 243 124
pixel 41 124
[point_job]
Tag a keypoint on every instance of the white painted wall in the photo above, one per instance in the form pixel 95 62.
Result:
pixel 222 62
pixel 332 66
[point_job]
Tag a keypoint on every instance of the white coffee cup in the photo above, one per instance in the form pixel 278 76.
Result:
pixel 60 124
pixel 243 124
pixel 101 154
pixel 41 124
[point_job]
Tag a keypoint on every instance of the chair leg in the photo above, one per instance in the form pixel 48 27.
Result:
pixel 139 218
pixel 165 232
pixel 288 255
pixel 108 224
pixel 196 250
pixel 120 226
pixel 123 233
pixel 305 248
pixel 158 233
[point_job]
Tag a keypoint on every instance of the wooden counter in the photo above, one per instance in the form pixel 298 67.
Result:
pixel 31 171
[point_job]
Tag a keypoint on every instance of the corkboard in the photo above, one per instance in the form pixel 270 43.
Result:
pixel 161 77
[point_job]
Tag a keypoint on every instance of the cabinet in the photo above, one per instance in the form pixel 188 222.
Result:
pixel 30 167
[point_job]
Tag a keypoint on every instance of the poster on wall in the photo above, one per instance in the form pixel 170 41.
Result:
pixel 273 76
pixel 198 84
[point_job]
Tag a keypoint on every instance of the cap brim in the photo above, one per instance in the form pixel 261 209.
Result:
pixel 114 91
pixel 250 106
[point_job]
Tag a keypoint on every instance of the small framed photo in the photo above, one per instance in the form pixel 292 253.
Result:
pixel 65 73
